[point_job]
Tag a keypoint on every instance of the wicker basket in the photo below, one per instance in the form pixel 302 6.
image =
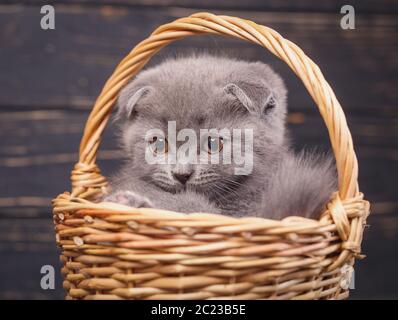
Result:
pixel 110 251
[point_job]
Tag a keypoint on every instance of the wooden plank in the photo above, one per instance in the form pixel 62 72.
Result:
pixel 25 246
pixel 367 6
pixel 66 67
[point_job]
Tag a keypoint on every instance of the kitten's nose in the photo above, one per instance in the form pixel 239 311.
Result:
pixel 182 177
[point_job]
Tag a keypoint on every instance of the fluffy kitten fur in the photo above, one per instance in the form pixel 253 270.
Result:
pixel 213 92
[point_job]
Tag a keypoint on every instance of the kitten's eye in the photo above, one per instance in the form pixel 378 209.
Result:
pixel 159 145
pixel 271 103
pixel 214 144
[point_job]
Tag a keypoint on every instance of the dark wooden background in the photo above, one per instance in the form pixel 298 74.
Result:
pixel 49 80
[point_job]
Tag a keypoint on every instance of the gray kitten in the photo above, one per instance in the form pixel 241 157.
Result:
pixel 212 92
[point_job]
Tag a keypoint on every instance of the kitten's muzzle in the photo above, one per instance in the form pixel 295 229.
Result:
pixel 182 177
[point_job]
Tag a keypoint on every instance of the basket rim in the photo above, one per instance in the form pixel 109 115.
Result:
pixel 65 202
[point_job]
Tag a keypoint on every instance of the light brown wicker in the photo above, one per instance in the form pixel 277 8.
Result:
pixel 110 251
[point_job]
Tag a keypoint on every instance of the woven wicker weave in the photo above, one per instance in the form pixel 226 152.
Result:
pixel 111 251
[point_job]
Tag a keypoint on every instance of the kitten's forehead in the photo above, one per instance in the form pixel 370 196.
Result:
pixel 192 120
pixel 188 108
pixel 192 110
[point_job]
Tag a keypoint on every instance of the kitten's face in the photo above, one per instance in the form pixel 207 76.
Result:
pixel 196 105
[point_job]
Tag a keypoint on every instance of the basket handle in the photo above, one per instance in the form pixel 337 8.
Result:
pixel 86 177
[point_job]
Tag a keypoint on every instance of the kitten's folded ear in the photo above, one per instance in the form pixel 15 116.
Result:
pixel 240 95
pixel 249 103
pixel 259 89
pixel 128 100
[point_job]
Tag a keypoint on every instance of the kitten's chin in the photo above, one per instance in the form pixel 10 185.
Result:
pixel 204 188
pixel 179 188
pixel 168 187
